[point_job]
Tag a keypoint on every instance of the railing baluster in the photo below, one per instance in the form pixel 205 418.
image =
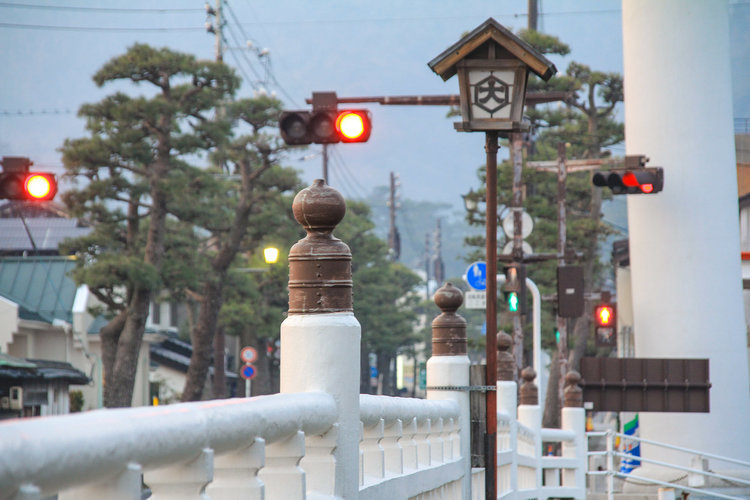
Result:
pixel 236 473
pixel 408 444
pixel 436 440
pixel 126 485
pixel 182 481
pixel 28 492
pixel 318 462
pixel 423 443
pixel 392 451
pixel 282 476
pixel 372 452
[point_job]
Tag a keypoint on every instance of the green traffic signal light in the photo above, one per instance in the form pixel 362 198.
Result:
pixel 513 302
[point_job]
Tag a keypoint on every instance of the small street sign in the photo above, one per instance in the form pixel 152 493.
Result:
pixel 475 300
pixel 248 354
pixel 248 372
pixel 476 275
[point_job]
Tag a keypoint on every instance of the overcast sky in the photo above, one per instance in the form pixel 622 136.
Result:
pixel 356 48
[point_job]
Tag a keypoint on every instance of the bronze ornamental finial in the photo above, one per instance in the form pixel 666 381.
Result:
pixel 529 391
pixel 506 363
pixel 320 265
pixel 449 328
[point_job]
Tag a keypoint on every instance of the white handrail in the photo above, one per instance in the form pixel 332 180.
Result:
pixel 686 450
pixel 373 408
pixel 55 453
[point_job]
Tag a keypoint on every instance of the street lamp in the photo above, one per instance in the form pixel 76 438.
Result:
pixel 493 66
pixel 271 255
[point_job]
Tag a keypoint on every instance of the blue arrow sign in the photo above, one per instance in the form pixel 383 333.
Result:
pixel 476 276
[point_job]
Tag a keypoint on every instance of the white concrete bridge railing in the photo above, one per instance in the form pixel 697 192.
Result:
pixel 229 448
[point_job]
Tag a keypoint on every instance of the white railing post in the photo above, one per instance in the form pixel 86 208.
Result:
pixel 507 404
pixel 530 415
pixel 318 462
pixel 574 419
pixel 236 473
pixel 448 371
pixel 392 451
pixel 282 476
pixel 372 453
pixel 409 444
pixel 125 485
pixel 320 339
pixel 182 481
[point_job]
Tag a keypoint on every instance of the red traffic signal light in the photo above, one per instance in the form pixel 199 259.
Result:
pixel 604 315
pixel 325 126
pixel 353 125
pixel 30 186
pixel 636 181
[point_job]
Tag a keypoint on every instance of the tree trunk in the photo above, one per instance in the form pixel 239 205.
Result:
pixel 119 393
pixel 220 365
pixel 202 339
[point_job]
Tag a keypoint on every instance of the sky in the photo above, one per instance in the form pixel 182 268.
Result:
pixel 49 51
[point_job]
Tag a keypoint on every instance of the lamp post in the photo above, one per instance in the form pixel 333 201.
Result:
pixel 492 65
pixel 270 256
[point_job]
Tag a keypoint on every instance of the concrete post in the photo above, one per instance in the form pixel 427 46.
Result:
pixel 449 367
pixel 684 241
pixel 573 418
pixel 320 339
pixel 530 415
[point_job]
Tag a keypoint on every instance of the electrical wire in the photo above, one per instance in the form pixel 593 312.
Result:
pixel 340 158
pixel 92 28
pixel 269 71
pixel 128 10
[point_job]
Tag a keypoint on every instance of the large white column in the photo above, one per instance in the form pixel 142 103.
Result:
pixel 684 242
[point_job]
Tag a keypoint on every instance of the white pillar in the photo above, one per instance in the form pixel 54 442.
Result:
pixel 320 352
pixel 454 371
pixel 684 241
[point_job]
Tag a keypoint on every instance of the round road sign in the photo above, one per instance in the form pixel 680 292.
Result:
pixel 248 372
pixel 476 275
pixel 248 354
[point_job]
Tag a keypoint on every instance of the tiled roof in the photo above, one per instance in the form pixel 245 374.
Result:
pixel 40 286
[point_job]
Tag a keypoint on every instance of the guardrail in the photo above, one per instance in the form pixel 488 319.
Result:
pixel 696 480
pixel 273 447
pixel 409 447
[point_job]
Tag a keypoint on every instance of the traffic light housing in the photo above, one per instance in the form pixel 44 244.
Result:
pixel 514 288
pixel 17 183
pixel 636 181
pixel 570 291
pixel 605 320
pixel 325 126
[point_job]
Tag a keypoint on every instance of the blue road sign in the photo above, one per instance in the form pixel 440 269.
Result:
pixel 476 276
pixel 248 372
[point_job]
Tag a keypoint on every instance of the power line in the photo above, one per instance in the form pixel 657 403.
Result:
pixel 92 28
pixel 97 9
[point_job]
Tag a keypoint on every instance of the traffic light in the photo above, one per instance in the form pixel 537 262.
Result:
pixel 637 181
pixel 17 183
pixel 605 319
pixel 514 288
pixel 569 291
pixel 325 126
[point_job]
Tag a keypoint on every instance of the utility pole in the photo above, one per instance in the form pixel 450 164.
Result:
pixel 427 265
pixel 533 14
pixel 394 238
pixel 439 267
pixel 561 167
pixel 216 28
